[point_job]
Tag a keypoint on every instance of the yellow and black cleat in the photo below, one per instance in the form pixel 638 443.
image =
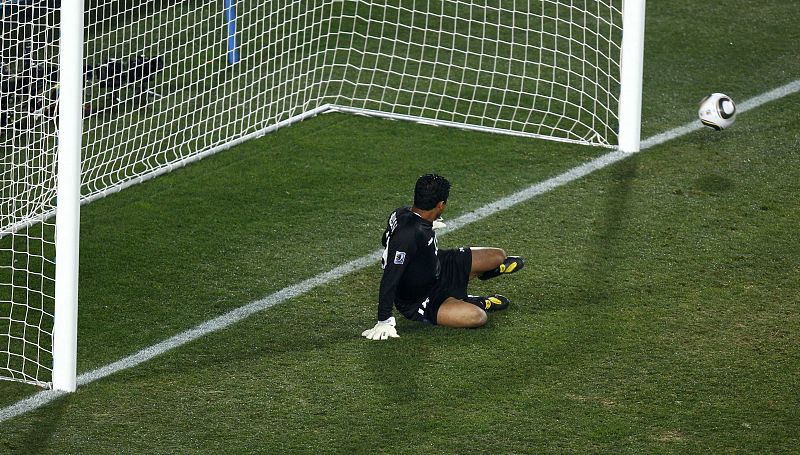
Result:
pixel 510 265
pixel 489 303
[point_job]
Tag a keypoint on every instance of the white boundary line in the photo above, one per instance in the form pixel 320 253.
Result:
pixel 42 398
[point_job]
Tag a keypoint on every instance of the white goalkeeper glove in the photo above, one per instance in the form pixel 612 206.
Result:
pixel 382 330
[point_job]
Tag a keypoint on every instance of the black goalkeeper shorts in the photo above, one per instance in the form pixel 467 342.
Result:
pixel 456 265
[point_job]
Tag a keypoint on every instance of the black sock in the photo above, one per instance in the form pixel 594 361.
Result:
pixel 504 268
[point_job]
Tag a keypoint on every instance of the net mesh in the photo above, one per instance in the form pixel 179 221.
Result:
pixel 160 91
pixel 27 190
pixel 546 68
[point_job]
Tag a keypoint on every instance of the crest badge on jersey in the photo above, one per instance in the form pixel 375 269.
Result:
pixel 399 257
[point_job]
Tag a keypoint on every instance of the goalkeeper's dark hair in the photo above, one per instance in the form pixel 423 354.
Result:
pixel 430 190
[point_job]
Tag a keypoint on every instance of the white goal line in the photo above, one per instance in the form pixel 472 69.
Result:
pixel 44 397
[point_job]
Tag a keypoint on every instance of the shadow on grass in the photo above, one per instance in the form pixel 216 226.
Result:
pixel 38 436
pixel 606 252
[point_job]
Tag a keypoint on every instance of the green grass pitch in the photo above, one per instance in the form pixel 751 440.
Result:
pixel 657 313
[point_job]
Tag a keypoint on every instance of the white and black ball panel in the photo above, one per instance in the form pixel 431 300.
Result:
pixel 717 111
pixel 726 107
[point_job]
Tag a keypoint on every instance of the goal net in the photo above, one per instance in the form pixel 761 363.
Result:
pixel 27 191
pixel 167 83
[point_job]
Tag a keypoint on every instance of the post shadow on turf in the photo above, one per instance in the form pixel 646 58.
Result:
pixel 608 233
pixel 38 436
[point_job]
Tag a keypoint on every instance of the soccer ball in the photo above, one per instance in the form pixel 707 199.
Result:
pixel 717 111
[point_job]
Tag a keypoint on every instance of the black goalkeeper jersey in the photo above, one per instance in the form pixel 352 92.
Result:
pixel 410 262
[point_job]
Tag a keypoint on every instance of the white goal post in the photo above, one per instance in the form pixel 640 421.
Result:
pixel 99 95
pixel 70 131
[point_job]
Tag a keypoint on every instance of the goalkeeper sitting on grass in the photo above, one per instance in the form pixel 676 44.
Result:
pixel 427 284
